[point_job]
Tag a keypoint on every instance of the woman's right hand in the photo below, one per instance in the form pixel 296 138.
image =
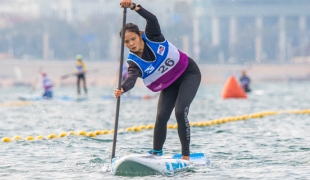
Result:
pixel 125 3
pixel 118 93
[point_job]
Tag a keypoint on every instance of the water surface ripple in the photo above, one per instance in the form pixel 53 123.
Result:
pixel 273 147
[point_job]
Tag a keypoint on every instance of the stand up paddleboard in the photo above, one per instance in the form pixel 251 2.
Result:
pixel 29 98
pixel 143 165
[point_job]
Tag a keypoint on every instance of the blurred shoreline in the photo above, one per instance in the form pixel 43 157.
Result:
pixel 25 72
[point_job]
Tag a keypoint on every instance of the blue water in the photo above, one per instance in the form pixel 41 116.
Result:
pixel 272 147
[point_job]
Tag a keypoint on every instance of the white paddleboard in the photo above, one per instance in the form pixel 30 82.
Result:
pixel 143 165
pixel 29 97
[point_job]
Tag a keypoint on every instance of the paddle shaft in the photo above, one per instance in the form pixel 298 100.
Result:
pixel 34 85
pixel 74 74
pixel 119 83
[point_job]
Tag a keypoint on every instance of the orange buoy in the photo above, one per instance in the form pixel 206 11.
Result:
pixel 232 89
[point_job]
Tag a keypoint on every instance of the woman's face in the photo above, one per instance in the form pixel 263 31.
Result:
pixel 132 41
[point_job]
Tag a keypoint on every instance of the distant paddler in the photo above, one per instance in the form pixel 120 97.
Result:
pixel 48 86
pixel 245 81
pixel 80 74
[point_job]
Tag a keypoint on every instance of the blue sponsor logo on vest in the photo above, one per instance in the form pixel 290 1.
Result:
pixel 149 69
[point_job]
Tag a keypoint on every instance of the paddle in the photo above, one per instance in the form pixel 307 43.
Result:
pixel 34 85
pixel 65 76
pixel 119 84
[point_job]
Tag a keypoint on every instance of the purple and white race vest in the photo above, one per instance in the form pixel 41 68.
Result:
pixel 169 64
pixel 47 84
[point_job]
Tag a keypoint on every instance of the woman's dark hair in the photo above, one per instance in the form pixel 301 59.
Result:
pixel 131 28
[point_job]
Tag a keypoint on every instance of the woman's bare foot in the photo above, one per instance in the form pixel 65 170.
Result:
pixel 185 158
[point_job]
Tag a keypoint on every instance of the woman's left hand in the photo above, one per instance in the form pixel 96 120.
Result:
pixel 118 93
pixel 125 3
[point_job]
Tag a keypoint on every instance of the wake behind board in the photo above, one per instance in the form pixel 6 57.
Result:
pixel 143 165
pixel 79 99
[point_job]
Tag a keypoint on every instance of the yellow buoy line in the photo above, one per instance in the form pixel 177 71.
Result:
pixel 150 126
pixel 17 103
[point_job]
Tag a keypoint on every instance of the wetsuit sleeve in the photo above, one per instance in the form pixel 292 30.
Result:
pixel 152 28
pixel 133 73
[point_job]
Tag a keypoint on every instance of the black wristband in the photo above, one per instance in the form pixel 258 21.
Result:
pixel 134 6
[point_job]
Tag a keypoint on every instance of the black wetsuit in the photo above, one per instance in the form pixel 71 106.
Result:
pixel 81 77
pixel 178 95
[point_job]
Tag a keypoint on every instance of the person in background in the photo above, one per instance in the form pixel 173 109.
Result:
pixel 80 72
pixel 48 86
pixel 164 69
pixel 245 81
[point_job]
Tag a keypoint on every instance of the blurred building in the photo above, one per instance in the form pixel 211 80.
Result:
pixel 211 31
pixel 28 8
pixel 76 13
pixel 75 10
pixel 260 31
